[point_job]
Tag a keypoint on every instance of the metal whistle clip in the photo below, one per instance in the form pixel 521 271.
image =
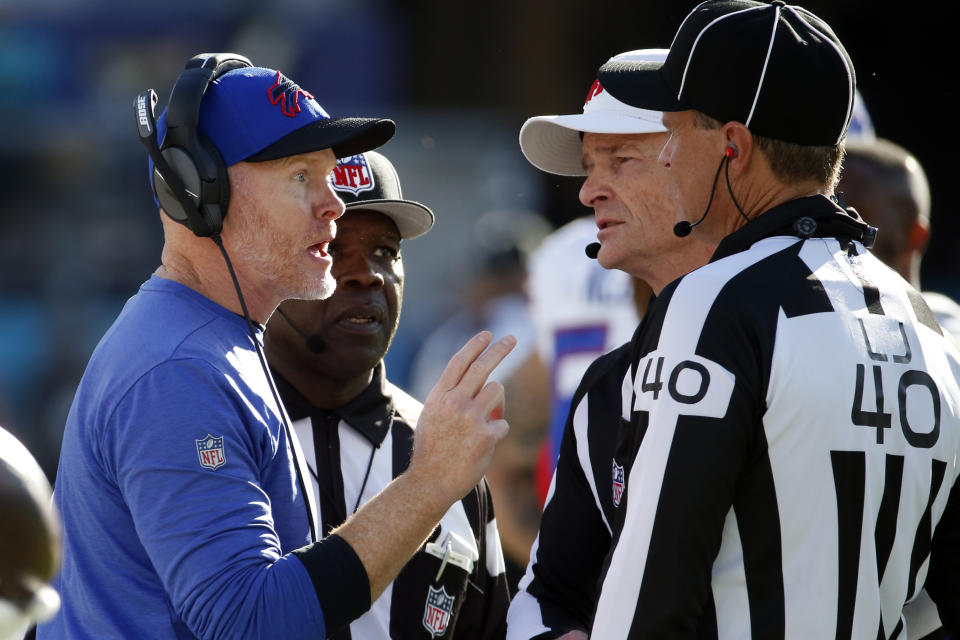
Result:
pixel 453 550
pixel 447 548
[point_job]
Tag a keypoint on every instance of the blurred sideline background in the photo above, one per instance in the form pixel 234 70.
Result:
pixel 79 231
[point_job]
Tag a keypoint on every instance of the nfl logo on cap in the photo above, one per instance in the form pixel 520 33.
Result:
pixel 352 174
pixel 210 451
pixel 436 615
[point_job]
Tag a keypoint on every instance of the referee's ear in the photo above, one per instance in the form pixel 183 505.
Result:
pixel 736 136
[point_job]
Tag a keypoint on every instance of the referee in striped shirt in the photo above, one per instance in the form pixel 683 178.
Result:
pixel 634 212
pixel 794 414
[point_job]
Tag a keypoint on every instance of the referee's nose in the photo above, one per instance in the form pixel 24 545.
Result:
pixel 594 190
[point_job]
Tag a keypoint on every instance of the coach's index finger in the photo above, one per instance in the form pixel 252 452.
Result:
pixel 461 360
pixel 481 368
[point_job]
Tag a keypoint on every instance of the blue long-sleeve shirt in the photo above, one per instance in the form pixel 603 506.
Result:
pixel 178 493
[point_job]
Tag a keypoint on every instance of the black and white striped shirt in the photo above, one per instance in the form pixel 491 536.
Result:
pixel 361 447
pixel 558 592
pixel 795 418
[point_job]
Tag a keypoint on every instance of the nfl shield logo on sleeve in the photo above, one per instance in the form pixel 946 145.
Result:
pixel 436 615
pixel 210 451
pixel 617 483
pixel 352 174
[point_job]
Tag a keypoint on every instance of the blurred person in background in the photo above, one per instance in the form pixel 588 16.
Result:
pixel 29 541
pixel 887 185
pixel 357 428
pixel 578 311
pixel 492 296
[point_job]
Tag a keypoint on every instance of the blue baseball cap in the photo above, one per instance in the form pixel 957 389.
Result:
pixel 253 114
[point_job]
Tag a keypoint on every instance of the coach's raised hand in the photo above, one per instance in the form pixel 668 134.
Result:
pixel 461 423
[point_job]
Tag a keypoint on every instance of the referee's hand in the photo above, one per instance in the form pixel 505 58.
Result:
pixel 462 420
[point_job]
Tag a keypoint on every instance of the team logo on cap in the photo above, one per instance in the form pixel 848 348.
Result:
pixel 352 174
pixel 595 89
pixel 287 93
pixel 617 483
pixel 436 615
pixel 210 451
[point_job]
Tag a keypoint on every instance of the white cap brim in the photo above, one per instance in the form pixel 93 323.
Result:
pixel 412 218
pixel 553 143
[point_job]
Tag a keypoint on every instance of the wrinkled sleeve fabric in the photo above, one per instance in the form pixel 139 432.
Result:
pixel 559 590
pixel 210 532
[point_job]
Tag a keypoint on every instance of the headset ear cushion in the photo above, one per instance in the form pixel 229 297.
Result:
pixel 180 162
pixel 216 192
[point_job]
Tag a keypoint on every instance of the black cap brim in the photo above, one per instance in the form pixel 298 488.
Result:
pixel 640 84
pixel 345 136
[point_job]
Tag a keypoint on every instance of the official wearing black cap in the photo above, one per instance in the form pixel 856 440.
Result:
pixel 794 413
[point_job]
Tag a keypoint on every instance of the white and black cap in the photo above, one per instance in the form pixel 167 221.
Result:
pixel 369 181
pixel 777 68
pixel 552 143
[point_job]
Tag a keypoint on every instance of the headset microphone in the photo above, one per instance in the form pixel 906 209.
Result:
pixel 314 344
pixel 683 228
pixel 592 250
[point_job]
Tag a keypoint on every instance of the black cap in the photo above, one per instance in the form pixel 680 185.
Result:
pixel 369 181
pixel 777 68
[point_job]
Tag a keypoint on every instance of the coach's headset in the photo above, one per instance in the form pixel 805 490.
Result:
pixel 191 184
pixel 189 176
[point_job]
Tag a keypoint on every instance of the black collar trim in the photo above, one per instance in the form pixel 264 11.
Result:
pixel 787 219
pixel 371 413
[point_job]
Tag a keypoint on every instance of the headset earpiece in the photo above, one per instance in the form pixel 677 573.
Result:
pixel 216 195
pixel 194 159
pixel 183 165
pixel 731 151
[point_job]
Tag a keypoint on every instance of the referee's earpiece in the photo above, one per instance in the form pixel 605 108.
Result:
pixel 189 177
pixel 731 151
